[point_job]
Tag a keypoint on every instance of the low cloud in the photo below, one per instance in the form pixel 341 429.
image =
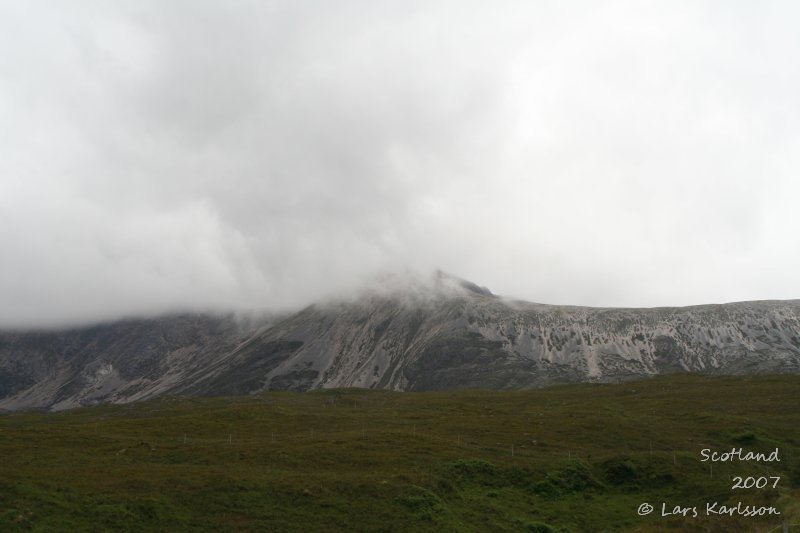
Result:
pixel 164 156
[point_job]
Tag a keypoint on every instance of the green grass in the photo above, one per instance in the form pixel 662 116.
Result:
pixel 584 458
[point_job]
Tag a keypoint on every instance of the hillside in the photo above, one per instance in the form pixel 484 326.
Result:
pixel 403 333
pixel 578 458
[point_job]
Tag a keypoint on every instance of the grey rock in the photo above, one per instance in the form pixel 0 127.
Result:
pixel 404 333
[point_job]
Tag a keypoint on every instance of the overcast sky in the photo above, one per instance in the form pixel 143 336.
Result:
pixel 160 155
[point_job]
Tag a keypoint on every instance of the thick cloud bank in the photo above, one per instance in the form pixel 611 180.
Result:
pixel 157 156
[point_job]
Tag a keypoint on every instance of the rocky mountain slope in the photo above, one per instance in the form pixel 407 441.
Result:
pixel 404 333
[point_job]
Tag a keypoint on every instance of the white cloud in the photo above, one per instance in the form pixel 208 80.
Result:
pixel 157 156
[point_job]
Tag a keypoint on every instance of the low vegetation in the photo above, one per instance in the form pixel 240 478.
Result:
pixel 574 458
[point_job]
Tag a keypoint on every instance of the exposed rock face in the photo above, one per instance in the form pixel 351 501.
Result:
pixel 404 334
pixel 120 362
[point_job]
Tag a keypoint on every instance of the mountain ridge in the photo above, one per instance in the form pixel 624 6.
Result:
pixel 401 333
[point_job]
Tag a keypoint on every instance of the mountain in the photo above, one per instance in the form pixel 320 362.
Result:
pixel 401 333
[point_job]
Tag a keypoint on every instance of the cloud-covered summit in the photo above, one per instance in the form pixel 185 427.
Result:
pixel 160 156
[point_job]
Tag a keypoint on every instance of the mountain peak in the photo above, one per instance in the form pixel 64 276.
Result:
pixel 443 278
pixel 416 286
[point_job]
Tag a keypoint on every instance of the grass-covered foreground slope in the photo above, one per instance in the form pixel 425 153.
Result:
pixel 577 458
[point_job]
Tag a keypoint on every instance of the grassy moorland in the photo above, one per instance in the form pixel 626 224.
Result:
pixel 573 458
